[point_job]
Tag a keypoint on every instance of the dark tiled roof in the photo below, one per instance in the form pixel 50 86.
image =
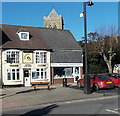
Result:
pixel 66 56
pixel 11 40
pixel 60 39
pixel 40 38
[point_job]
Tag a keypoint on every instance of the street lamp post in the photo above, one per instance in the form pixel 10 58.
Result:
pixel 87 89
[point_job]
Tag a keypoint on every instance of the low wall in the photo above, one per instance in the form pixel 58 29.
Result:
pixel 60 80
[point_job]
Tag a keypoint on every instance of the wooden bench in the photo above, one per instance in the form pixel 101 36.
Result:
pixel 40 84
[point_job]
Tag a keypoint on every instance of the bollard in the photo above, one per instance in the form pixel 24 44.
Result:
pixel 64 82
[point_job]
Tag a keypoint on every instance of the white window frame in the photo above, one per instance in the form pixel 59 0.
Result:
pixel 20 35
pixel 40 57
pixel 16 57
pixel 10 71
pixel 41 74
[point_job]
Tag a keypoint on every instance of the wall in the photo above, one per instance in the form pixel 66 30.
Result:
pixel 60 80
pixel 0 67
pixel 71 79
pixel 22 66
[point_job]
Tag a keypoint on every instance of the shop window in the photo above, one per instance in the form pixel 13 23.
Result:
pixel 8 74
pixel 40 57
pixel 77 70
pixel 13 74
pixel 34 75
pixel 18 77
pixel 12 56
pixel 63 72
pixel 41 74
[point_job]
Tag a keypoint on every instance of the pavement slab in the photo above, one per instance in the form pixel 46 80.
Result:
pixel 27 96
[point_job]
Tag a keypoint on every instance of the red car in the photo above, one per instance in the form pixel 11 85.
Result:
pixel 97 82
pixel 115 77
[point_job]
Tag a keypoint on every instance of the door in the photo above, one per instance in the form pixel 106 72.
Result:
pixel 76 73
pixel 26 74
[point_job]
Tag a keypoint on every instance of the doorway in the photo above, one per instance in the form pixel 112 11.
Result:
pixel 76 73
pixel 26 75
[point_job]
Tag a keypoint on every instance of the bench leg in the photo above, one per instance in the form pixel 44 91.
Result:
pixel 34 88
pixel 48 87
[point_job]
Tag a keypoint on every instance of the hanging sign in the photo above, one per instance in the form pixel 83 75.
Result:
pixel 27 58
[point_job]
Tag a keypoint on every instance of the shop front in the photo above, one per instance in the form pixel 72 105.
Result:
pixel 32 54
pixel 24 67
pixel 71 71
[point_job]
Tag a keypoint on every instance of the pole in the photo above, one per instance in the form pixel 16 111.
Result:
pixel 87 89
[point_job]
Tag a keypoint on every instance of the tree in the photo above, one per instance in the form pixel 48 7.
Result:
pixel 104 42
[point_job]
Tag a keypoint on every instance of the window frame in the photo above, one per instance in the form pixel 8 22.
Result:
pixel 20 35
pixel 9 57
pixel 13 72
pixel 38 59
pixel 60 72
pixel 41 74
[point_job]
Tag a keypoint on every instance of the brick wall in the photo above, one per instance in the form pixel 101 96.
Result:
pixel 60 80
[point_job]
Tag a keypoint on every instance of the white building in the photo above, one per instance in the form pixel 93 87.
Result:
pixel 33 54
pixel 116 68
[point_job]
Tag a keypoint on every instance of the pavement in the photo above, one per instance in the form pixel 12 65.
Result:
pixel 27 96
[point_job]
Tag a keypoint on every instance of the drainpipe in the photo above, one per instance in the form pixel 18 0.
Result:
pixel 1 69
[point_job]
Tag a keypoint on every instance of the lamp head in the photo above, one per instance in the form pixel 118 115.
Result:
pixel 90 3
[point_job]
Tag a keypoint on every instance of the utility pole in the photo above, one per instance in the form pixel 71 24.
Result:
pixel 87 88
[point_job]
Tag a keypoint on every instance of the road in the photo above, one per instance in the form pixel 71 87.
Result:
pixel 107 105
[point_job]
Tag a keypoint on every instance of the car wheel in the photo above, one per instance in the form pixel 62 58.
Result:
pixel 96 87
pixel 79 84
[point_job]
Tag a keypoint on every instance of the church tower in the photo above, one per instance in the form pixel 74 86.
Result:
pixel 53 20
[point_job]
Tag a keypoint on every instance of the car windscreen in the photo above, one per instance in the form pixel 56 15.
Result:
pixel 112 76
pixel 118 75
pixel 91 76
pixel 103 77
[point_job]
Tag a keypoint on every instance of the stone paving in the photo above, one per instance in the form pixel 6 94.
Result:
pixel 27 96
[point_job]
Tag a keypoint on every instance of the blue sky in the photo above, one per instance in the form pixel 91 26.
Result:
pixel 32 13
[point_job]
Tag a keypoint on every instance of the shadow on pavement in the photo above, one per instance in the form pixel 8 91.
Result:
pixel 32 90
pixel 108 91
pixel 41 112
pixel 76 87
pixel 104 91
pixel 2 94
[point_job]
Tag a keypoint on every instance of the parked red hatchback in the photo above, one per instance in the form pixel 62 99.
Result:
pixel 80 82
pixel 97 82
pixel 115 77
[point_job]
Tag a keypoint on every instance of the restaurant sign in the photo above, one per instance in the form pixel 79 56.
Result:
pixel 27 58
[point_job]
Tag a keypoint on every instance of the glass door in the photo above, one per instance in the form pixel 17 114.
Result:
pixel 76 73
pixel 26 75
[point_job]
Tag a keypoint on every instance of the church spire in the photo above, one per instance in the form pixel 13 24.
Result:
pixel 53 13
pixel 53 20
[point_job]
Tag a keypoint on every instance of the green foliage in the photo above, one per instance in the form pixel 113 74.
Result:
pixel 96 63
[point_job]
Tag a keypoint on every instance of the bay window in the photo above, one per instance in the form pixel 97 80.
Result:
pixel 40 57
pixel 41 73
pixel 13 74
pixel 12 56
